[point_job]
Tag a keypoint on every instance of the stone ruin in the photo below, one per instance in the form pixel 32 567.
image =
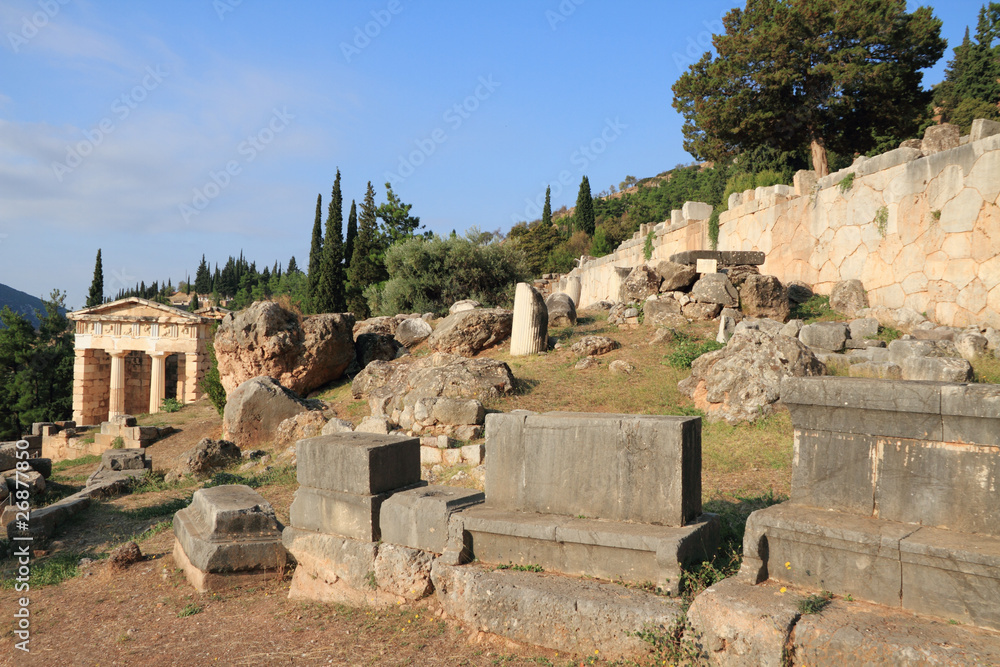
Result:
pixel 894 497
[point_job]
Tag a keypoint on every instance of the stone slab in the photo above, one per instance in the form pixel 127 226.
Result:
pixel 971 413
pixel 952 575
pixel 607 549
pixel 577 616
pixel 850 634
pixel 229 529
pixel 345 514
pixel 208 582
pixel 618 467
pixel 733 624
pixel 834 471
pixel 723 257
pixel 359 463
pixel 418 518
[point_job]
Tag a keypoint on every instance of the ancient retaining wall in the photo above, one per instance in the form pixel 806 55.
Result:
pixel 918 231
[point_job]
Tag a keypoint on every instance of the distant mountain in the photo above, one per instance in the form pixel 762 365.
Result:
pixel 21 302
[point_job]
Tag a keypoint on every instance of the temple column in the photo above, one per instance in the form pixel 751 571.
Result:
pixel 192 376
pixel 157 381
pixel 80 376
pixel 116 402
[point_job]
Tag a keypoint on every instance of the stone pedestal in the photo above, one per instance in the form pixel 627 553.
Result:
pixel 228 536
pixel 530 332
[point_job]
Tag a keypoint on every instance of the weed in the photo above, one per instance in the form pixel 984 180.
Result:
pixel 280 476
pixel 668 644
pixel 520 568
pixel 888 334
pixel 686 349
pixel 713 228
pixel 370 579
pixel 50 570
pixel 935 216
pixel 166 508
pixel 882 221
pixel 118 443
pixel 59 466
pixel 151 482
pixel 846 182
pixel 647 249
pixel 815 309
pixel 170 405
pixel 189 610
pixel 814 604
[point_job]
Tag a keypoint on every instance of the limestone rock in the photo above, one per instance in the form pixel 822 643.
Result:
pixel 600 306
pixel 404 572
pixel 970 345
pixel 585 363
pixel 658 310
pixel 378 425
pixel 386 326
pixel 764 296
pixel 266 339
pixel 937 369
pixel 640 283
pixel 848 297
pixel 412 331
pixel 207 456
pixel 715 288
pixel 915 144
pixel 621 367
pixel 675 276
pixel 463 305
pixel 826 335
pixel 741 382
pixel 939 138
pixel 700 311
pixel 727 326
pixel 799 292
pixel 468 332
pixel 738 274
pixel 992 337
pixel 562 310
pixel 307 424
pixel 594 345
pixel 337 426
pixel 124 555
pixel 372 346
pixel 864 327
pixel 792 328
pixel 772 327
pixel 256 408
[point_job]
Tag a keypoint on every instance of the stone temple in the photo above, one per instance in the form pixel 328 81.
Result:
pixel 133 353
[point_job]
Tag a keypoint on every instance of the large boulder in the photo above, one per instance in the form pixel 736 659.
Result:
pixel 394 386
pixel 255 410
pixel 825 335
pixel 799 292
pixel 206 457
pixel 675 276
pixel 385 326
pixel 662 311
pixel 715 288
pixel 594 345
pixel 468 332
pixel 562 310
pixel 266 339
pixel 641 282
pixel 412 331
pixel 464 304
pixel 764 296
pixel 740 273
pixel 848 297
pixel 371 346
pixel 741 382
pixel 939 138
pixel 307 424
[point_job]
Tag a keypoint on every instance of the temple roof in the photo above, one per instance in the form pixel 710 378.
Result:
pixel 134 308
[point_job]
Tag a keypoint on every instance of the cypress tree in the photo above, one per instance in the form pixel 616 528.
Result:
pixel 292 266
pixel 195 304
pixel 547 209
pixel 329 295
pixel 352 233
pixel 96 295
pixel 202 278
pixel 584 216
pixel 366 265
pixel 316 249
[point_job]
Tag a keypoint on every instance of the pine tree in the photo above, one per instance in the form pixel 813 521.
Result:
pixel 367 267
pixel 293 267
pixel 352 233
pixel 96 295
pixel 397 222
pixel 584 215
pixel 202 278
pixel 971 86
pixel 329 294
pixel 316 249
pixel 547 209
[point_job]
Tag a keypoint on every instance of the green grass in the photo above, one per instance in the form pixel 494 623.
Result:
pixel 986 369
pixel 685 349
pixel 816 309
pixel 281 476
pixel 90 459
pixel 888 334
pixel 49 570
pixel 153 482
pixel 166 508
pixel 189 610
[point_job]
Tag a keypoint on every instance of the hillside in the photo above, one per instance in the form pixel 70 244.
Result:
pixel 20 302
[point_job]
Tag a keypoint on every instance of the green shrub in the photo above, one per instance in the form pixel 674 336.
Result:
pixel 170 405
pixel 713 228
pixel 751 181
pixel 882 220
pixel 118 443
pixel 647 249
pixel 814 604
pixel 846 182
pixel 686 349
pixel 211 383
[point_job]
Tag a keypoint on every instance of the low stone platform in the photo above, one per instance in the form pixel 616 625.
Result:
pixel 723 257
pixel 733 624
pixel 227 536
pixel 418 518
pixel 553 611
pixel 615 550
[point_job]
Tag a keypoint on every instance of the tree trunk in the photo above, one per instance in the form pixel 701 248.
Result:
pixel 820 164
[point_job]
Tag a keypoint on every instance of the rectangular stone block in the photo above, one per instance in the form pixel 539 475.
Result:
pixel 971 413
pixel 359 463
pixel 862 421
pixel 953 575
pixel 617 467
pixel 418 518
pixel 336 513
pixel 724 257
pixel 834 471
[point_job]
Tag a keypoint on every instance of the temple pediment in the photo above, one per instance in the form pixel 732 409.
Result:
pixel 133 308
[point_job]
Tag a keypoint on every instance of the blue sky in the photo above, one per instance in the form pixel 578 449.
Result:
pixel 161 131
